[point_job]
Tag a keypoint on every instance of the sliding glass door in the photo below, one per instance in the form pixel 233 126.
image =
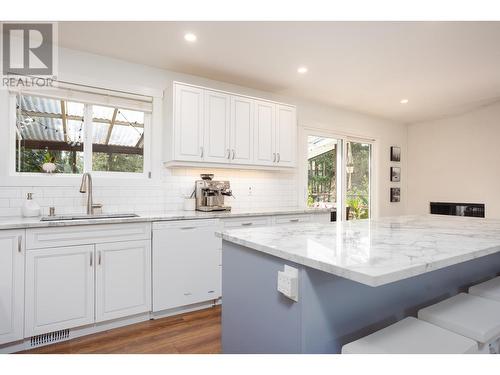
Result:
pixel 339 175
pixel 357 180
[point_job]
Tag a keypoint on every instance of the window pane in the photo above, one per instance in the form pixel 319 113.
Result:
pixel 322 171
pixel 118 140
pixel 46 138
pixel 358 180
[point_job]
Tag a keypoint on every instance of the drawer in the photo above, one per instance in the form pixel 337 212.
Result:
pixel 38 238
pixel 288 219
pixel 185 224
pixel 247 222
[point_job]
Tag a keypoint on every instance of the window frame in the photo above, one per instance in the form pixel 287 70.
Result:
pixel 87 148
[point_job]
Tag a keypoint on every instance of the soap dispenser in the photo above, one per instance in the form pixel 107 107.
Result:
pixel 30 207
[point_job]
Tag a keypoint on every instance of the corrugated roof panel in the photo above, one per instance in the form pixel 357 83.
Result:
pixel 125 135
pixel 99 133
pixel 43 129
pixel 39 104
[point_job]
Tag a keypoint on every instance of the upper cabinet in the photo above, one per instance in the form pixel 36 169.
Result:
pixel 188 123
pixel 223 129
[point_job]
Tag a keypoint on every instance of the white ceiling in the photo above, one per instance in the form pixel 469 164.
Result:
pixel 443 68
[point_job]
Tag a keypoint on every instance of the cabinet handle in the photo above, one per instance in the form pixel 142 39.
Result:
pixel 294 220
pixel 99 257
pixel 279 157
pixel 91 258
pixel 228 154
pixel 186 228
pixel 234 153
pixel 187 294
pixel 19 244
pixel 246 224
pixel 201 152
pixel 274 155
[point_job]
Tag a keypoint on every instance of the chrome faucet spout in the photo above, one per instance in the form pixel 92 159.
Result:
pixel 86 187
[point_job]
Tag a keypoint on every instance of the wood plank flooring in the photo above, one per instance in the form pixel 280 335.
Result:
pixel 196 333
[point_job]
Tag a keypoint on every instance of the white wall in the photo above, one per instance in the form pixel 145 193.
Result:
pixel 167 186
pixel 456 159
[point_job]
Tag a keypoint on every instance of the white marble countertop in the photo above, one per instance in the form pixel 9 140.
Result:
pixel 21 223
pixel 376 251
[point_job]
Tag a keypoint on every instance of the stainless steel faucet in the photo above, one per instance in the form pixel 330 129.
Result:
pixel 86 187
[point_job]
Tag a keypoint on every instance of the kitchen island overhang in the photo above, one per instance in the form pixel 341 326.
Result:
pixel 354 278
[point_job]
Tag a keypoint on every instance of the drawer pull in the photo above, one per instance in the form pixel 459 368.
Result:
pixel 187 294
pixel 211 291
pixel 294 220
pixel 246 224
pixel 187 228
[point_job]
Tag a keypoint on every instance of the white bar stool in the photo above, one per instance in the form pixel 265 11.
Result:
pixel 411 336
pixel 474 317
pixel 489 289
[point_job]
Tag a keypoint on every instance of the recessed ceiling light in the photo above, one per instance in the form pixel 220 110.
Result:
pixel 404 101
pixel 190 37
pixel 302 70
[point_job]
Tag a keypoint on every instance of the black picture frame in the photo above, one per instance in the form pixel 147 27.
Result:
pixel 395 174
pixel 395 153
pixel 395 194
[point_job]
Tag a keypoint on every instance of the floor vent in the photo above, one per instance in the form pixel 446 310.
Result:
pixel 51 337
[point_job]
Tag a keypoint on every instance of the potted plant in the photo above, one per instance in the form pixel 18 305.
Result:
pixel 48 165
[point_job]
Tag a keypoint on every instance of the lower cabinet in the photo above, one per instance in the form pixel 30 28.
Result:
pixel 11 285
pixel 78 285
pixel 186 263
pixel 59 288
pixel 123 279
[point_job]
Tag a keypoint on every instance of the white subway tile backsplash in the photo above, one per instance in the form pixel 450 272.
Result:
pixel 252 189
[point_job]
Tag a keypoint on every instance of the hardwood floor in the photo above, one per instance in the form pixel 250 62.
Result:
pixel 196 332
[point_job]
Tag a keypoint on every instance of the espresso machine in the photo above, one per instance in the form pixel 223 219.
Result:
pixel 210 194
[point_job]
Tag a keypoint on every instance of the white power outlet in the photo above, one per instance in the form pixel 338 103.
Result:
pixel 288 282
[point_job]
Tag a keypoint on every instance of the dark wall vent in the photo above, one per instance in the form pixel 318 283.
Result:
pixel 458 209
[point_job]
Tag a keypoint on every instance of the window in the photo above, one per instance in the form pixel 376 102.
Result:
pixel 339 174
pixel 56 135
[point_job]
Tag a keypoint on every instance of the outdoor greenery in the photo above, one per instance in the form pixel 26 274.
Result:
pixel 132 163
pixel 322 179
pixel 66 161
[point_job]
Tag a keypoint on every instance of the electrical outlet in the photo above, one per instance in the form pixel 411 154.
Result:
pixel 249 191
pixel 288 282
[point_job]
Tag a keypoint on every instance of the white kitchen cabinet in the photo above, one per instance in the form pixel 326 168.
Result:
pixel 217 123
pixel 186 263
pixel 59 288
pixel 123 279
pixel 217 128
pixel 286 135
pixel 11 285
pixel 242 130
pixel 265 133
pixel 188 134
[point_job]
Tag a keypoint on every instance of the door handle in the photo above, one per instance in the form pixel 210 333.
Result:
pixel 234 153
pixel 279 157
pixel 19 244
pixel 99 258
pixel 202 151
pixel 228 154
pixel 91 258
pixel 274 155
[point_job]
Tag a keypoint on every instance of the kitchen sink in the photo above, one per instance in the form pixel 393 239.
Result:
pixel 86 217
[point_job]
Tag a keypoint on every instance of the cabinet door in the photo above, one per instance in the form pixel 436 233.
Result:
pixel 188 123
pixel 186 263
pixel 217 125
pixel 11 285
pixel 286 133
pixel 123 279
pixel 59 289
pixel 264 141
pixel 242 130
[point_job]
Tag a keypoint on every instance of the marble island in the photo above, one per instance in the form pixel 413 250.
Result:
pixel 376 252
pixel 354 278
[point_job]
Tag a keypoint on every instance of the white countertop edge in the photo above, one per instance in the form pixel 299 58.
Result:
pixel 24 223
pixel 358 276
